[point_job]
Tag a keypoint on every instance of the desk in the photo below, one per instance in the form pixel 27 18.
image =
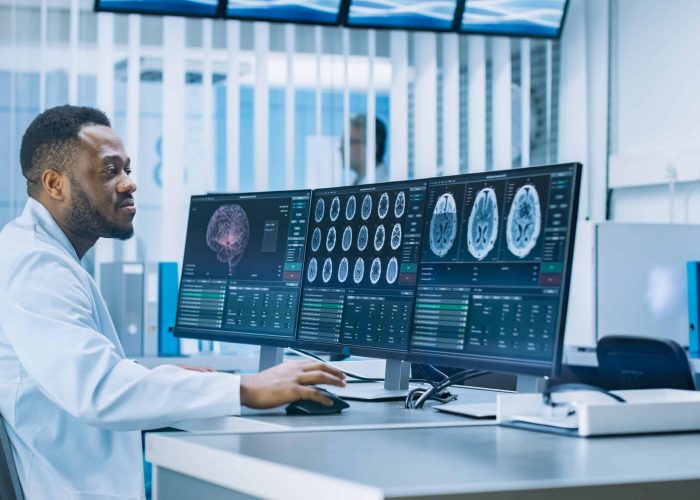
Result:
pixel 470 462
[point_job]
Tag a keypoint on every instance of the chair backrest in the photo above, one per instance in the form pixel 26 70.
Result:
pixel 643 363
pixel 10 487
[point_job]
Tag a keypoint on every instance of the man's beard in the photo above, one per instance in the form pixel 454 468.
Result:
pixel 84 219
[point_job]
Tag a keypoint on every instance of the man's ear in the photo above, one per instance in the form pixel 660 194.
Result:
pixel 55 184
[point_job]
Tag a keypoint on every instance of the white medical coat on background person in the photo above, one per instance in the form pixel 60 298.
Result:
pixel 73 405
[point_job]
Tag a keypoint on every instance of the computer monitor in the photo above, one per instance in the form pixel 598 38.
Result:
pixel 494 273
pixel 190 8
pixel 407 14
pixel 287 11
pixel 242 269
pixel 522 18
pixel 360 270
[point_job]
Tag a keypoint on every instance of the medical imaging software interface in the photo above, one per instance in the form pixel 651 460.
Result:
pixel 361 265
pixel 243 263
pixel 492 264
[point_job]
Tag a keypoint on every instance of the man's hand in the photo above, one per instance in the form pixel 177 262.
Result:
pixel 203 369
pixel 289 382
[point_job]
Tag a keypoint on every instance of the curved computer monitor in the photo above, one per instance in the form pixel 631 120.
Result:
pixel 188 8
pixel 493 278
pixel 241 273
pixel 360 270
pixel 286 11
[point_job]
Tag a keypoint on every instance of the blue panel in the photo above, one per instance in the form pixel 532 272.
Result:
pixel 173 7
pixel 168 344
pixel 304 11
pixel 304 125
pixel 276 143
pixel 406 14
pixel 538 18
pixel 693 308
pixel 220 134
pixel 245 174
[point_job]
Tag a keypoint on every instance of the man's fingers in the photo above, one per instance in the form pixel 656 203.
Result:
pixel 320 377
pixel 326 368
pixel 313 395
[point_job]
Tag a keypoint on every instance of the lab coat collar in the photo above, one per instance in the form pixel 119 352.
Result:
pixel 36 213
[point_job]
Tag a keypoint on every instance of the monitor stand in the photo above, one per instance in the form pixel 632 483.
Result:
pixel 270 356
pixel 530 384
pixel 395 388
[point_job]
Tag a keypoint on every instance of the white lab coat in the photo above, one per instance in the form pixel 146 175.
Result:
pixel 73 405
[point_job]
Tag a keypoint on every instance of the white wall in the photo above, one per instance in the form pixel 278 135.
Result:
pixel 655 112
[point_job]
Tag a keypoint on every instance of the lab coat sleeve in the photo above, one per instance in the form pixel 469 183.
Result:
pixel 47 315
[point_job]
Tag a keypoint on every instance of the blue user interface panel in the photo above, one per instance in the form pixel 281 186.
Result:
pixel 404 14
pixel 361 266
pixel 304 11
pixel 242 269
pixel 206 8
pixel 527 18
pixel 493 279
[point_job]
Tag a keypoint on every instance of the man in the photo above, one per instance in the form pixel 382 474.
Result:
pixel 358 150
pixel 74 406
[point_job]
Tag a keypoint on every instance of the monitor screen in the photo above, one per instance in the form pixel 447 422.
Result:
pixel 407 14
pixel 526 18
pixel 494 272
pixel 288 11
pixel 361 266
pixel 241 273
pixel 198 8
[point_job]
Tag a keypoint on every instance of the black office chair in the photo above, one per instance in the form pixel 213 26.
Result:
pixel 643 363
pixel 10 487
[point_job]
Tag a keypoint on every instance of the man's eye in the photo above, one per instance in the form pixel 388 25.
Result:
pixel 128 171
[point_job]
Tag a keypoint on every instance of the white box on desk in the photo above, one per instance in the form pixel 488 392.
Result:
pixel 645 411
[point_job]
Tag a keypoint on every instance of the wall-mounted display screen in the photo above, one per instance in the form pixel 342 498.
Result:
pixel 198 8
pixel 527 18
pixel 288 11
pixel 402 14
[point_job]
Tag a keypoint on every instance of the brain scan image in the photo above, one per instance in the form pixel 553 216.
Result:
pixel 316 240
pixel 347 239
pixel 443 225
pixel 312 270
pixel 392 271
pixel 523 224
pixel 383 207
pixel 228 233
pixel 343 270
pixel 379 237
pixel 359 272
pixel 375 272
pixel 320 208
pixel 350 208
pixel 396 236
pixel 330 239
pixel 327 270
pixel 366 207
pixel 400 205
pixel 483 224
pixel 362 238
pixel 335 209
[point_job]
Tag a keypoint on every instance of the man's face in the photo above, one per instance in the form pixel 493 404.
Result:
pixel 358 150
pixel 101 203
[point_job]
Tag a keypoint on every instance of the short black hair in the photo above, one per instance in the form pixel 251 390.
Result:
pixel 360 121
pixel 52 138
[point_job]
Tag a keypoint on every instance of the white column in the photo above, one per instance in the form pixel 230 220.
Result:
pixel 233 107
pixel 425 103
pixel 398 127
pixel 525 88
pixel 261 108
pixel 450 103
pixel 73 68
pixel 477 104
pixel 371 128
pixel 289 109
pixel 42 56
pixel 208 166
pixel 346 105
pixel 133 106
pixel 502 132
pixel 548 99
pixel 175 204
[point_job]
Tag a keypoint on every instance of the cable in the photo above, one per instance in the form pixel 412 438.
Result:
pixel 310 355
pixel 424 395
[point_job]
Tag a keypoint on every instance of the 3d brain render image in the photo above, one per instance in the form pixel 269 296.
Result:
pixel 483 224
pixel 523 225
pixel 228 233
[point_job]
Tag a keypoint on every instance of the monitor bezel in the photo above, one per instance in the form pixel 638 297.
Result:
pixel 342 9
pixel 461 31
pixel 241 337
pixel 457 15
pixel 515 365
pixel 340 348
pixel 217 13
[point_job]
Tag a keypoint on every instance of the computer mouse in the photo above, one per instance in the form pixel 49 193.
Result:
pixel 308 407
